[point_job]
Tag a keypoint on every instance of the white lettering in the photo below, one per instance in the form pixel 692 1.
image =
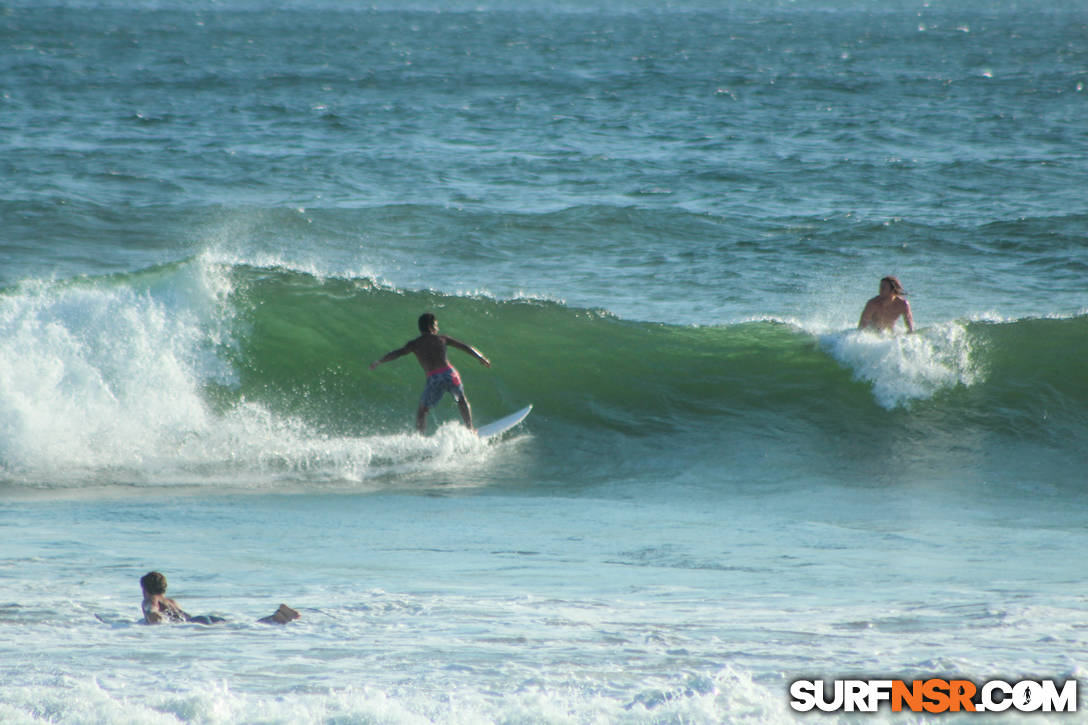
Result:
pixel 836 703
pixel 856 696
pixel 993 696
pixel 1064 701
pixel 1027 696
pixel 880 691
pixel 989 703
pixel 803 693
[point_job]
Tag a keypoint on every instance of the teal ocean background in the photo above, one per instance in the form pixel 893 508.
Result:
pixel 660 221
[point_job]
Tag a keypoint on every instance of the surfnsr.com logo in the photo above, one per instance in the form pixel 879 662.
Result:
pixel 934 695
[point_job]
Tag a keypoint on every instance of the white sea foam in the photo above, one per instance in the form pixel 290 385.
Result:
pixel 107 380
pixel 729 695
pixel 904 368
pixel 96 373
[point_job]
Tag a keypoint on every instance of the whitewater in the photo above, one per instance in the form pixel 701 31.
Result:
pixel 660 223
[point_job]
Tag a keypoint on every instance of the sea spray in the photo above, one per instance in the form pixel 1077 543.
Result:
pixel 136 378
pixel 97 373
pixel 904 368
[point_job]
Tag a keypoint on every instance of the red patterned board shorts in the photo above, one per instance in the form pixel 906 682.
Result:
pixel 439 382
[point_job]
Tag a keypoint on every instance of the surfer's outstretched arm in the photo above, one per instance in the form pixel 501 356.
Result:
pixel 469 349
pixel 393 355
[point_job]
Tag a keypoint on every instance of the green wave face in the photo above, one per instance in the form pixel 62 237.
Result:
pixel 241 369
pixel 305 345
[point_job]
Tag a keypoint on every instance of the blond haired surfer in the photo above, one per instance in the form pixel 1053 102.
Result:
pixel 883 311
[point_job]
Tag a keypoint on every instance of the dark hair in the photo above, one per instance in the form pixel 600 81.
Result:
pixel 896 287
pixel 426 320
pixel 153 582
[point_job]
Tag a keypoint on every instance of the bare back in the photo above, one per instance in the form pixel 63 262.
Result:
pixel 158 608
pixel 882 312
pixel 430 350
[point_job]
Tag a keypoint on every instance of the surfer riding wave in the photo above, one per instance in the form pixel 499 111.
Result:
pixel 430 349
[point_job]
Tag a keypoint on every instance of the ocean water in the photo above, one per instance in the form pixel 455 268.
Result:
pixel 660 221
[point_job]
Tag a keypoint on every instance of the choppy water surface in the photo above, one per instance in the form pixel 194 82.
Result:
pixel 660 223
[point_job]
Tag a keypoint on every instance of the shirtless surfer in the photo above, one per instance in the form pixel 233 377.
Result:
pixel 158 607
pixel 882 311
pixel 430 349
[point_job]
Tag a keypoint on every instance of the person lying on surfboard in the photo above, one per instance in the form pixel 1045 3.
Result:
pixel 157 607
pixel 430 349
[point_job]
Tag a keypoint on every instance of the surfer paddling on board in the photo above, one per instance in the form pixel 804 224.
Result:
pixel 430 349
pixel 158 607
pixel 882 311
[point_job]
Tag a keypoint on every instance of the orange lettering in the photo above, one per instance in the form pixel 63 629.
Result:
pixel 936 692
pixel 912 696
pixel 961 693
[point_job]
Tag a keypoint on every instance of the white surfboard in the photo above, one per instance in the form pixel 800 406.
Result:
pixel 503 424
